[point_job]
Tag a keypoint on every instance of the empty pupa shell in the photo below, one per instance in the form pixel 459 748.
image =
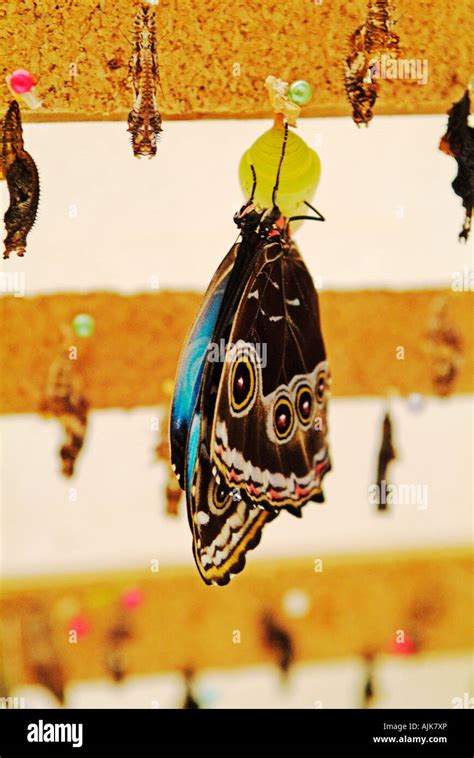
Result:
pixel 299 176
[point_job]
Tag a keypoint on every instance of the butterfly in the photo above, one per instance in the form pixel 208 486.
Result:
pixel 248 436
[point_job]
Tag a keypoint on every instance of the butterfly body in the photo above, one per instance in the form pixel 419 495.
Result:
pixel 248 437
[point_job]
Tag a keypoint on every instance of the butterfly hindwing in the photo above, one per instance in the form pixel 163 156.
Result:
pixel 224 525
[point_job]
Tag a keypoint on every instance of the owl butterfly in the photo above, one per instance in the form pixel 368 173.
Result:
pixel 368 44
pixel 248 435
pixel 459 143
pixel 144 120
pixel 22 178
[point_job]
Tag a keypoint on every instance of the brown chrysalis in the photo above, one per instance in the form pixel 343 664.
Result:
pixel 278 640
pixel 386 455
pixel 144 120
pixel 66 401
pixel 444 346
pixel 42 656
pixel 22 178
pixel 116 658
pixel 459 143
pixel 173 491
pixel 190 701
pixel 367 45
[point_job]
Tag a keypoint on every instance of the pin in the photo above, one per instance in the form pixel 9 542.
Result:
pixel 21 83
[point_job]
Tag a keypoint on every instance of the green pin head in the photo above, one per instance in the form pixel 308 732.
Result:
pixel 300 92
pixel 83 325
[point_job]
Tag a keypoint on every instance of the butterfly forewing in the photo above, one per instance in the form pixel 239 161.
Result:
pixel 224 525
pixel 192 362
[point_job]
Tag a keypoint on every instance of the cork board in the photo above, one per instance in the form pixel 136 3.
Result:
pixel 132 358
pixel 215 55
pixel 356 603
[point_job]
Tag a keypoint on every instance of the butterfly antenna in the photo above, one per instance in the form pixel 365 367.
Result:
pixel 254 185
pixel 277 180
pixel 318 217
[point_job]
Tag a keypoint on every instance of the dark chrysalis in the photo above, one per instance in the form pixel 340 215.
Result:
pixel 279 641
pixel 173 491
pixel 66 401
pixel 190 701
pixel 116 659
pixel 459 143
pixel 445 348
pixel 386 455
pixel 361 90
pixel 22 179
pixel 144 120
pixel 367 45
pixel 41 653
pixel 368 690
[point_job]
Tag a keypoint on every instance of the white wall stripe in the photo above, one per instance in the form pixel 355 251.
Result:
pixel 118 519
pixel 109 221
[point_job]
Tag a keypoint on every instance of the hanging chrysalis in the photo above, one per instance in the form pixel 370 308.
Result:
pixel 41 654
pixel 444 347
pixel 66 401
pixel 144 120
pixel 367 45
pixel 386 455
pixel 459 143
pixel 279 641
pixel 21 174
pixel 368 691
pixel 173 491
pixel 301 170
pixel 116 658
pixel 190 701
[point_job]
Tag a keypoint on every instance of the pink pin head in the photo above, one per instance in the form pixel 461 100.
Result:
pixel 132 599
pixel 21 81
pixel 407 647
pixel 80 625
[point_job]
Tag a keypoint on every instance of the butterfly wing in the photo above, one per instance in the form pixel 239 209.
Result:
pixel 224 527
pixel 192 362
pixel 268 441
pixel 224 524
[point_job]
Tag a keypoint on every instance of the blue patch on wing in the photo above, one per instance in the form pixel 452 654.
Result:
pixel 192 450
pixel 191 367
